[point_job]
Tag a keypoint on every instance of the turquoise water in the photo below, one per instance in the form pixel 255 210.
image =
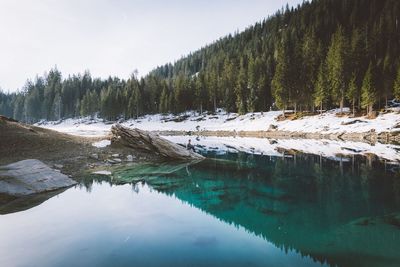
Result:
pixel 229 210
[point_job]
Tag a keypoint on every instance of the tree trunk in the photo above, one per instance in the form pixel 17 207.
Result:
pixel 215 104
pixel 386 102
pixel 371 109
pixel 341 104
pixel 321 109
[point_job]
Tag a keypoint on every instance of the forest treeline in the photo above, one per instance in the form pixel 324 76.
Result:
pixel 318 55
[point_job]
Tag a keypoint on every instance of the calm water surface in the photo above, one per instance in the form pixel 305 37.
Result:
pixel 229 210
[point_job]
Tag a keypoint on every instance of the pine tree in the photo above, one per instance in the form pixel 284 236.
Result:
pixel 310 64
pixel 388 74
pixel 228 83
pixel 337 60
pixel 212 84
pixel 352 92
pixel 396 87
pixel 321 88
pixel 252 75
pixel 368 90
pixel 280 86
pixel 241 88
pixel 164 99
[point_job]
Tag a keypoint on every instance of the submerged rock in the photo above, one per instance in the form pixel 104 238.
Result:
pixel 94 156
pixel 114 161
pixel 31 176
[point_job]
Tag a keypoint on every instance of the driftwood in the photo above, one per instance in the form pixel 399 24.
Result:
pixel 151 142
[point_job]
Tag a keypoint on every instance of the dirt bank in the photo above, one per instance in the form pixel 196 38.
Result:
pixel 71 154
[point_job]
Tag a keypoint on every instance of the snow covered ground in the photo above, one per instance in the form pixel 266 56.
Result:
pixel 326 123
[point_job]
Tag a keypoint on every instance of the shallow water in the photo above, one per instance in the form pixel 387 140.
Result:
pixel 229 210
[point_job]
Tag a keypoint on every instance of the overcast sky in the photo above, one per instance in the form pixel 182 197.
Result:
pixel 113 37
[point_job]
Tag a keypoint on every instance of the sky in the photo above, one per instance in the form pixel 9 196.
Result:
pixel 113 37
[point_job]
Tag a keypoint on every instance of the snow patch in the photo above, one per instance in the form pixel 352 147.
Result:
pixel 102 143
pixel 102 172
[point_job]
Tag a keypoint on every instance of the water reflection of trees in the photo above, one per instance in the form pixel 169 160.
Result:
pixel 298 201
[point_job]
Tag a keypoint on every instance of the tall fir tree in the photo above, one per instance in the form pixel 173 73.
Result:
pixel 241 89
pixel 321 88
pixel 280 86
pixel 368 90
pixel 353 92
pixel 337 63
pixel 396 86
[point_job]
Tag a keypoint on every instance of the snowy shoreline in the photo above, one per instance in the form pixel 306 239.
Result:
pixel 331 149
pixel 326 124
pixel 328 134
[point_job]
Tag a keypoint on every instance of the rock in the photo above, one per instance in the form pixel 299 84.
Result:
pixel 129 158
pixel 108 173
pixel 94 156
pixel 151 142
pixel 352 122
pixel 115 155
pixel 31 176
pixel 58 166
pixel 272 127
pixel 114 161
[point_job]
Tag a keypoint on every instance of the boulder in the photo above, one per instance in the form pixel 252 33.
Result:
pixel 31 176
pixel 151 142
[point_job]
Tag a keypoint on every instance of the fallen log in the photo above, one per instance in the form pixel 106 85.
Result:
pixel 151 142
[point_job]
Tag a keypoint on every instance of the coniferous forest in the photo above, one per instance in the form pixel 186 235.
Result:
pixel 320 55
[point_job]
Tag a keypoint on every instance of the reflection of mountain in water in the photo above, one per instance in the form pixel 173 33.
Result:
pixel 332 211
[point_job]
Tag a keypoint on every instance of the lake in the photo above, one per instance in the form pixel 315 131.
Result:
pixel 233 209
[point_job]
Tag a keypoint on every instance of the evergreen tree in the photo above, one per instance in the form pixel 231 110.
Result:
pixel 310 58
pixel 280 86
pixel 164 107
pixel 200 92
pixel 321 88
pixel 228 83
pixel 252 85
pixel 352 92
pixel 212 84
pixel 337 60
pixel 241 88
pixel 396 88
pixel 368 90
